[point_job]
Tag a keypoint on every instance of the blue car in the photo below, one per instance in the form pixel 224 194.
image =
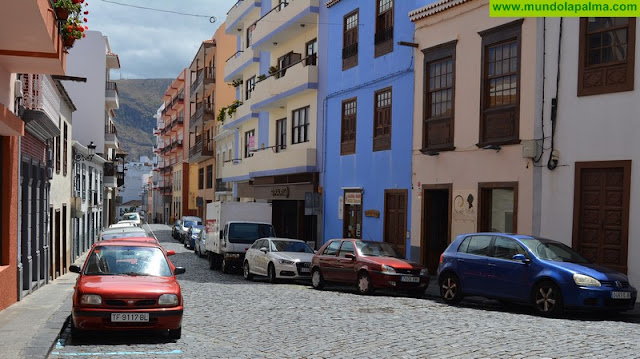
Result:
pixel 547 274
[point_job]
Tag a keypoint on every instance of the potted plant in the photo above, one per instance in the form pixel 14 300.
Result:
pixel 233 107
pixel 273 70
pixel 222 114
pixel 237 82
pixel 71 32
pixel 70 15
pixel 261 77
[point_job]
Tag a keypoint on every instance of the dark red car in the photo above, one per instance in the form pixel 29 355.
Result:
pixel 368 265
pixel 127 285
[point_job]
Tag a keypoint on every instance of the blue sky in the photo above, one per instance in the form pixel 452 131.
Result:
pixel 154 44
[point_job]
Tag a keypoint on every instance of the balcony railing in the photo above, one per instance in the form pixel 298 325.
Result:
pixel 39 93
pixel 202 147
pixel 110 129
pixel 384 35
pixel 349 51
pixel 223 186
pixel 198 81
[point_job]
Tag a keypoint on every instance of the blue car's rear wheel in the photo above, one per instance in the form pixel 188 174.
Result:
pixel 547 299
pixel 450 289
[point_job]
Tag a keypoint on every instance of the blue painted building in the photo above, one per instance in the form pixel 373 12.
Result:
pixel 365 101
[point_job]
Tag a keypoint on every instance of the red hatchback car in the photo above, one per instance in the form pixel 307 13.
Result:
pixel 367 264
pixel 127 285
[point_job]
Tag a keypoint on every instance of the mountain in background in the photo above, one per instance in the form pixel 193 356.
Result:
pixel 139 101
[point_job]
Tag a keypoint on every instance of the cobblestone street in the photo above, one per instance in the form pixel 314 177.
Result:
pixel 228 317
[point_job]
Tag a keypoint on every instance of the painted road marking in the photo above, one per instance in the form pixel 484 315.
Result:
pixel 150 230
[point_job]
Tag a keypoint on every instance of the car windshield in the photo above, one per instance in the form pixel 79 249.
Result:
pixel 192 223
pixel 249 232
pixel 553 251
pixel 290 246
pixel 376 249
pixel 130 217
pixel 127 260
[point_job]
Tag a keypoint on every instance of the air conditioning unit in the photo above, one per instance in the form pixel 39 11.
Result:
pixel 18 88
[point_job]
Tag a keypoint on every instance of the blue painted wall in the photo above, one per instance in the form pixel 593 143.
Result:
pixel 372 171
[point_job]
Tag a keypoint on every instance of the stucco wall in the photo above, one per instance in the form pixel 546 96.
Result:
pixel 468 165
pixel 88 59
pixel 590 128
pixel 372 171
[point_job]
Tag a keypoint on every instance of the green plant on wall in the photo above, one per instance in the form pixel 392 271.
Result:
pixel 233 107
pixel 222 114
pixel 237 82
pixel 274 70
pixel 262 77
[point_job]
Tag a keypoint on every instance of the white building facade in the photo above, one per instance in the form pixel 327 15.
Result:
pixel 97 99
pixel 590 179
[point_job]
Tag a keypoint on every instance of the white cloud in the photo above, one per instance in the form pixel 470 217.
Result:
pixel 154 44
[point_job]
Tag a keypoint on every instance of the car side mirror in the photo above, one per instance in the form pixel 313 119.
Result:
pixel 74 268
pixel 350 256
pixel 521 258
pixel 179 270
pixel 170 253
pixel 263 250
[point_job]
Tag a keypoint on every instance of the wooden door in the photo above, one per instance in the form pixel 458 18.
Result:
pixel 436 224
pixel 601 212
pixel 395 219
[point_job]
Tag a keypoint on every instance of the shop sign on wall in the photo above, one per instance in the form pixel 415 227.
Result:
pixel 353 198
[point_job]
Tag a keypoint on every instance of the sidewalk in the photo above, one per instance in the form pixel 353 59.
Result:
pixel 30 328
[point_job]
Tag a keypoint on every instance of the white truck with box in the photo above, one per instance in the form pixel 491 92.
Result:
pixel 232 227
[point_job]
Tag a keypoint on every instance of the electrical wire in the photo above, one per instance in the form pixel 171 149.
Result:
pixel 212 18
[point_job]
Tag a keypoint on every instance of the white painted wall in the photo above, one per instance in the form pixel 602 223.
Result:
pixel 589 128
pixel 88 59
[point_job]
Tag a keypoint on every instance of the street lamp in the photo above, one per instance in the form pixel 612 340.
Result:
pixel 89 157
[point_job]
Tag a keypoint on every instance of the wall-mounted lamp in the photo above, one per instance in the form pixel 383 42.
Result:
pixel 275 44
pixel 89 156
pixel 492 147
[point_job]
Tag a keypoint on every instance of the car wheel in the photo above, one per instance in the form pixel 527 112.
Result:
pixel 75 332
pixel 212 263
pixel 271 273
pixel 547 299
pixel 364 283
pixel 450 289
pixel 175 333
pixel 317 281
pixel 225 266
pixel 245 271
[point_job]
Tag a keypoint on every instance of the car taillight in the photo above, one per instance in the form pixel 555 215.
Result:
pixel 441 258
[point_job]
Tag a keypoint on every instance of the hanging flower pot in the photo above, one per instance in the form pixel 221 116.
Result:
pixel 68 41
pixel 62 14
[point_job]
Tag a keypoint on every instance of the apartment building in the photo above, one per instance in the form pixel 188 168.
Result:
pixel 588 182
pixel 209 93
pixel 173 146
pixel 96 101
pixel 367 95
pixel 87 197
pixel 268 141
pixel 475 120
pixel 37 51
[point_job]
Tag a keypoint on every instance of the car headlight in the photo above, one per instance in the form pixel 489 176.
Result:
pixel 91 299
pixel 424 272
pixel 284 261
pixel 168 299
pixel 585 280
pixel 388 269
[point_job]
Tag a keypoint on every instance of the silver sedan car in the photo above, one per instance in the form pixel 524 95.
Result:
pixel 278 258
